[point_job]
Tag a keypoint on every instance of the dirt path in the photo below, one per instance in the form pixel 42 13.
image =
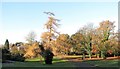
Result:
pixel 79 63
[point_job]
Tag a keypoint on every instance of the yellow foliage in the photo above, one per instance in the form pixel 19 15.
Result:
pixel 32 50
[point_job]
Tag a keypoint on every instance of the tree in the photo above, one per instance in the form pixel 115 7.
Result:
pixel 86 41
pixel 32 50
pixel 31 37
pixel 49 36
pixel 103 34
pixel 114 46
pixel 14 49
pixel 6 45
pixel 5 51
pixel 76 43
pixel 51 33
pixel 63 44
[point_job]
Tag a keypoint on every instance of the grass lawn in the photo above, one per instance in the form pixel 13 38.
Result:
pixel 104 63
pixel 37 63
pixel 58 62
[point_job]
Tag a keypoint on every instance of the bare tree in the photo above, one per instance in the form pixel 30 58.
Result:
pixel 31 37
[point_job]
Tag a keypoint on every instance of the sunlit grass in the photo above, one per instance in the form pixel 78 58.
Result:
pixel 55 60
pixel 36 62
pixel 41 59
pixel 58 62
pixel 35 59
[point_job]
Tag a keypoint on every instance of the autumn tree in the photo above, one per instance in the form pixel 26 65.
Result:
pixel 103 34
pixel 114 44
pixel 31 37
pixel 17 48
pixel 32 51
pixel 75 42
pixel 86 38
pixel 118 36
pixel 63 44
pixel 51 33
pixel 14 49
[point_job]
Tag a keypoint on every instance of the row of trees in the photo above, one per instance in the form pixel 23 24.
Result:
pixel 101 41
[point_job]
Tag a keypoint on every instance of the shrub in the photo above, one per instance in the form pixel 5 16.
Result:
pixel 17 57
pixel 5 55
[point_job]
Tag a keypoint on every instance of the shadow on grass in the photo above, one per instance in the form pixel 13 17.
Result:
pixel 57 63
pixel 60 63
pixel 103 63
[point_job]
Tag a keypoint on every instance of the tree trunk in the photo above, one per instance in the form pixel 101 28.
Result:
pixel 98 55
pixel 103 55
pixel 83 56
pixel 114 55
pixel 90 55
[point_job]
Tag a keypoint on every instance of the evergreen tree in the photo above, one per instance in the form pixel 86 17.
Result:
pixel 5 51
pixel 6 45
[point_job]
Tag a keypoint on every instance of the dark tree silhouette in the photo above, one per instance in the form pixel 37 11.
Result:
pixel 6 44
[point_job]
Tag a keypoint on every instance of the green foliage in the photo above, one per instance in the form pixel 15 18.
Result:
pixel 82 40
pixel 76 41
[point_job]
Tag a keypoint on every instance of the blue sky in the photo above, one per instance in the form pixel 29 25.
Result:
pixel 19 18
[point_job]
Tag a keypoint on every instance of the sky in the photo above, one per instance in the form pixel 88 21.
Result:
pixel 17 19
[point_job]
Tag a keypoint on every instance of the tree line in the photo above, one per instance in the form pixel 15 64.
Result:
pixel 101 41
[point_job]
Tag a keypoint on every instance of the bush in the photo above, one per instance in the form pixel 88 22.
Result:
pixel 17 57
pixel 5 55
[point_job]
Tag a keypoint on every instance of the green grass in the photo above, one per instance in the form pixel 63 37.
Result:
pixel 58 62
pixel 55 59
pixel 35 59
pixel 35 62
pixel 103 63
